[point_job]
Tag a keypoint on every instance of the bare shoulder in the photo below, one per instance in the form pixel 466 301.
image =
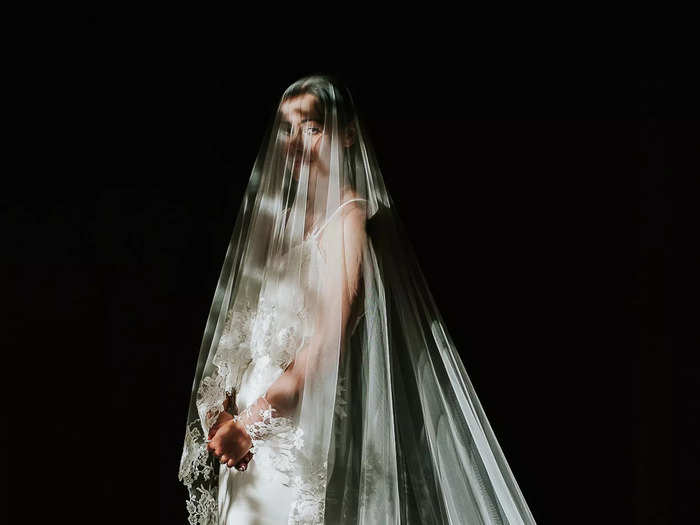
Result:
pixel 354 213
pixel 348 226
pixel 354 203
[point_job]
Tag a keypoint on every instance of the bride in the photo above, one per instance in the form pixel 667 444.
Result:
pixel 327 388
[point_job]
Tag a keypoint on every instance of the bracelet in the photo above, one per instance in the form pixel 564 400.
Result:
pixel 231 398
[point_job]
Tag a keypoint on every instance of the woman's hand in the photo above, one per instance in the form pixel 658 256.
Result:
pixel 242 465
pixel 230 442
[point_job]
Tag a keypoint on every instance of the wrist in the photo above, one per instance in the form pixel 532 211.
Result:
pixel 258 410
pixel 241 428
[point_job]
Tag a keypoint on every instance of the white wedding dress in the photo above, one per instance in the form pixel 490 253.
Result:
pixel 270 491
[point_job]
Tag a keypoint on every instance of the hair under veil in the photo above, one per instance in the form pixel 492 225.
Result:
pixel 323 332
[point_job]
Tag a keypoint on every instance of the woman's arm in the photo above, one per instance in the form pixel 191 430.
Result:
pixel 343 247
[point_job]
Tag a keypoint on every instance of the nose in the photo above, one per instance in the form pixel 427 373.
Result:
pixel 296 143
pixel 294 140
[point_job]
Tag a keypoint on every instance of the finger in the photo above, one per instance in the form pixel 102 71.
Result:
pixel 245 459
pixel 229 463
pixel 243 463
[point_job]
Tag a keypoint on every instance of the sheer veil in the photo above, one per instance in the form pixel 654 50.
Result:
pixel 320 284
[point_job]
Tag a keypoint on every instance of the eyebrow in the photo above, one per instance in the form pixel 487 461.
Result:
pixel 282 119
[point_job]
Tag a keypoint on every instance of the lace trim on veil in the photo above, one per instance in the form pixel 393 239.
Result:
pixel 276 443
pixel 197 467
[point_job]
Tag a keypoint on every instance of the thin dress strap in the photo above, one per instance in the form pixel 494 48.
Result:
pixel 336 211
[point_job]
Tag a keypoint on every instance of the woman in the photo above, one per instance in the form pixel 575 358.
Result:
pixel 327 386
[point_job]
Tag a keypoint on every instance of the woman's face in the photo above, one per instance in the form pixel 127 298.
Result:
pixel 303 137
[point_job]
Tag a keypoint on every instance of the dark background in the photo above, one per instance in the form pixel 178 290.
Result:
pixel 536 201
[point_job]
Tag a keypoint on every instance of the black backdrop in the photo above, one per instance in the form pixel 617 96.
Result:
pixel 552 184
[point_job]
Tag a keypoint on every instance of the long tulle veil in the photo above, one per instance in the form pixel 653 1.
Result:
pixel 387 424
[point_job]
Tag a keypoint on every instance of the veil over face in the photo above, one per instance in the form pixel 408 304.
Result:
pixel 321 286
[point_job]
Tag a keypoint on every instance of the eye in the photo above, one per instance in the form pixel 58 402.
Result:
pixel 312 130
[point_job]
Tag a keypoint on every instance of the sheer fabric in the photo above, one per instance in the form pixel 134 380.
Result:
pixel 324 339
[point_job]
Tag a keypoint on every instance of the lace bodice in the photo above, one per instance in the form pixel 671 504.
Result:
pixel 264 337
pixel 284 309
